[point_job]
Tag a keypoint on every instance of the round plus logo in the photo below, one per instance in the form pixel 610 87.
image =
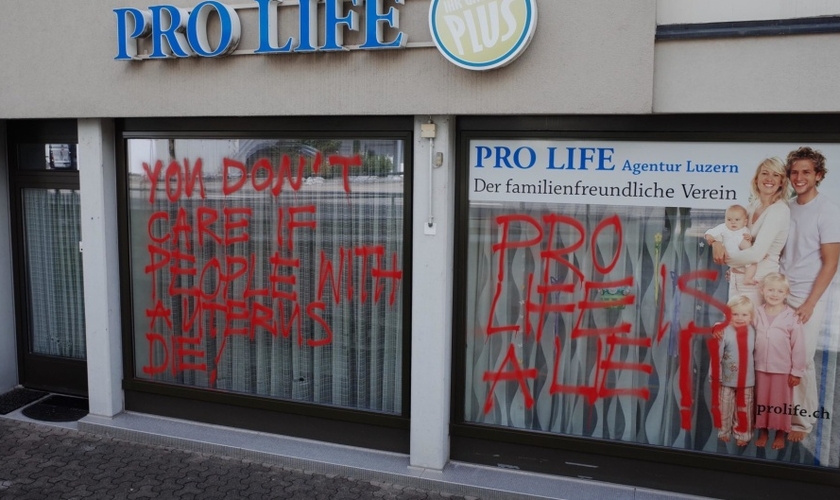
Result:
pixel 482 34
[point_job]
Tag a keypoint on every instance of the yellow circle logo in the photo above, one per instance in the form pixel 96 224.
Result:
pixel 482 34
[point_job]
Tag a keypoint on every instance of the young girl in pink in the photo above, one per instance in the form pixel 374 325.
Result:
pixel 780 360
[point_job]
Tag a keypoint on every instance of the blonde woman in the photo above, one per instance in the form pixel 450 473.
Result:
pixel 768 222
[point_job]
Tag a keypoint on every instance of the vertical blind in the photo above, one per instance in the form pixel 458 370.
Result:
pixel 52 227
pixel 651 237
pixel 267 267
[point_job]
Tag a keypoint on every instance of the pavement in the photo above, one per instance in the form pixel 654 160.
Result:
pixel 134 456
pixel 40 462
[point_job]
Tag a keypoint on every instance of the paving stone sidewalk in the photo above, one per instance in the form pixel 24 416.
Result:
pixel 40 462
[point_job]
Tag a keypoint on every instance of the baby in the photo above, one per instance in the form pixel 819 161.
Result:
pixel 735 236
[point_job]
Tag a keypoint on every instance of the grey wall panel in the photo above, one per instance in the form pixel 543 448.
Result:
pixel 756 74
pixel 588 56
pixel 710 11
pixel 8 352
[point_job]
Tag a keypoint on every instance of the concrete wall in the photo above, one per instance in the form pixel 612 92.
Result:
pixel 756 74
pixel 431 307
pixel 97 180
pixel 710 11
pixel 792 73
pixel 8 351
pixel 588 56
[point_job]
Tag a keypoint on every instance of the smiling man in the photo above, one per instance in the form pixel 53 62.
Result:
pixel 809 261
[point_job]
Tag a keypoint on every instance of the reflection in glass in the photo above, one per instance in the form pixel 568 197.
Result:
pixel 47 157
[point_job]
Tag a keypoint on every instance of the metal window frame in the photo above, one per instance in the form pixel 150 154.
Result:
pixel 639 465
pixel 49 373
pixel 338 425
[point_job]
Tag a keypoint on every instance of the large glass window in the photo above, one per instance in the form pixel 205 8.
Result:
pixel 593 297
pixel 271 267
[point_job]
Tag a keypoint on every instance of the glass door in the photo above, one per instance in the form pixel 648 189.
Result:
pixel 48 259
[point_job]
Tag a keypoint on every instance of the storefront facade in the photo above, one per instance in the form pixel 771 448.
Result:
pixel 455 230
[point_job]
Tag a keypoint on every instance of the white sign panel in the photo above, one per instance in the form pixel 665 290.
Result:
pixel 613 172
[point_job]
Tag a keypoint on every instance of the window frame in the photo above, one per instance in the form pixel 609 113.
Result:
pixel 693 472
pixel 44 372
pixel 340 425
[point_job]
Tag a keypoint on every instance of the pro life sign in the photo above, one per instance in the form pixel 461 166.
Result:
pixel 474 34
pixel 178 32
pixel 707 175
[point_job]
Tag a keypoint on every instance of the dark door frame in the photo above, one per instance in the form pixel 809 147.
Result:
pixel 37 371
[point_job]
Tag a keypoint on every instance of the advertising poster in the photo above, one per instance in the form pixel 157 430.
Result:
pixel 659 293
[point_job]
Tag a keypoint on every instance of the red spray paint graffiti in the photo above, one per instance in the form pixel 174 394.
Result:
pixel 608 337
pixel 223 299
pixel 687 336
pixel 548 298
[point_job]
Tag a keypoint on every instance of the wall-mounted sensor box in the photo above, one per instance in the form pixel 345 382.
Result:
pixel 427 130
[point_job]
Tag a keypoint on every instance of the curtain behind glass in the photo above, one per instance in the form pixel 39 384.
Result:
pixel 54 268
pixel 651 237
pixel 361 366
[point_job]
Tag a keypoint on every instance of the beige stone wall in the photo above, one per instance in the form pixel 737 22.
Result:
pixel 798 73
pixel 588 56
pixel 710 11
